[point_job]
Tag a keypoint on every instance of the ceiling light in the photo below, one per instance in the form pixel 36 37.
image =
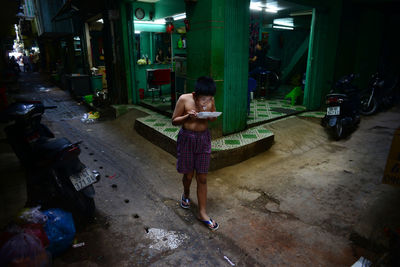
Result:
pixel 137 32
pixel 179 16
pixel 156 22
pixel 283 27
pixel 267 8
pixel 100 20
pixel 254 6
pixel 301 13
pixel 271 10
pixel 284 22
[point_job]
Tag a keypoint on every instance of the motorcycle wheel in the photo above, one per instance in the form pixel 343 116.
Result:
pixel 338 130
pixel 365 108
pixel 81 206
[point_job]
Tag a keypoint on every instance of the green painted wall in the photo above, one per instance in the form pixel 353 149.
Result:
pixel 146 44
pixel 218 47
pixel 205 52
pixel 168 8
pixel 322 53
pixel 237 16
pixel 147 7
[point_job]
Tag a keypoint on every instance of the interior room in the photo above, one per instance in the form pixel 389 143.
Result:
pixel 160 54
pixel 275 89
pixel 276 84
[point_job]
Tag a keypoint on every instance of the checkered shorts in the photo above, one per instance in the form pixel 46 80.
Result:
pixel 193 151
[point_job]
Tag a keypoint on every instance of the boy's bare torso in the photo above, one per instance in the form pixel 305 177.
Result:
pixel 189 104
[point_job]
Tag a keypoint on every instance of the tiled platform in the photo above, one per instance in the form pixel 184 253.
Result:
pixel 262 111
pixel 226 151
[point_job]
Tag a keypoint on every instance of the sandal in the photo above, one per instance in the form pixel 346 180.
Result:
pixel 185 202
pixel 210 224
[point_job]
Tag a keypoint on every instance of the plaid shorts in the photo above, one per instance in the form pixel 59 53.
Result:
pixel 193 151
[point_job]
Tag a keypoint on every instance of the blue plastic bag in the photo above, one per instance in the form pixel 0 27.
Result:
pixel 60 230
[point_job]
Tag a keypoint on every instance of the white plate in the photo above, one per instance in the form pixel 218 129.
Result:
pixel 333 111
pixel 206 114
pixel 83 179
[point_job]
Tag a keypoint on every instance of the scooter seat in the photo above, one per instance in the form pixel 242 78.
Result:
pixel 50 148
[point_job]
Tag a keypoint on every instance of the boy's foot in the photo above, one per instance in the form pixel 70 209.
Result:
pixel 185 202
pixel 210 224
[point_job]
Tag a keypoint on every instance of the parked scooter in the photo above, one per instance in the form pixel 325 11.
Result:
pixel 380 94
pixel 342 113
pixel 54 172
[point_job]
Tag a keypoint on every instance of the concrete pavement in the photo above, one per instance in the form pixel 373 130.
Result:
pixel 298 204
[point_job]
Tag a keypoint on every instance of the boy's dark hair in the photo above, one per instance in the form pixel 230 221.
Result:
pixel 205 86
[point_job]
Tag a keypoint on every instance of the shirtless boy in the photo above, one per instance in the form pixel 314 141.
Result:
pixel 194 143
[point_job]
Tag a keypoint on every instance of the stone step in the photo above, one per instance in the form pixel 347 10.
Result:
pixel 227 150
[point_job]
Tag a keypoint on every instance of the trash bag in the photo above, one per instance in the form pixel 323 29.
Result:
pixel 33 215
pixel 24 250
pixel 37 230
pixel 60 230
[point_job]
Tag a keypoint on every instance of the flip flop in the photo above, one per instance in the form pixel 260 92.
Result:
pixel 185 202
pixel 210 224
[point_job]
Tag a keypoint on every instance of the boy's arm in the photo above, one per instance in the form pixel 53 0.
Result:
pixel 178 117
pixel 213 109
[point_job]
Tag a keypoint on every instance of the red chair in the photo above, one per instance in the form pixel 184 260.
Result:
pixel 155 79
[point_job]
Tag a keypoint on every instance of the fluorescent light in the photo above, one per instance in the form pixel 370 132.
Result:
pixel 301 13
pixel 157 22
pixel 284 22
pixel 283 27
pixel 179 16
pixel 100 20
pixel 258 7
pixel 137 32
pixel 255 6
pixel 271 10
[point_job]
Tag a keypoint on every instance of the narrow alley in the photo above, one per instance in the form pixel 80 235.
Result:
pixel 308 201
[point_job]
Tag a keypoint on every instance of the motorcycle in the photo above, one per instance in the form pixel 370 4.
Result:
pixel 342 112
pixel 379 95
pixel 54 172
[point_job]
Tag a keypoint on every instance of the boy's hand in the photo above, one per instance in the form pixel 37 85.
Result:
pixel 192 114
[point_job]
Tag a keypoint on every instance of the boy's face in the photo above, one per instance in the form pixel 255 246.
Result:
pixel 202 100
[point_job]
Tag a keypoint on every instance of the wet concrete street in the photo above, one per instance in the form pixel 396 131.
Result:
pixel 308 201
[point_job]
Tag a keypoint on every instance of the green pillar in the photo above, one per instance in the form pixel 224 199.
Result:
pixel 128 56
pixel 217 46
pixel 324 34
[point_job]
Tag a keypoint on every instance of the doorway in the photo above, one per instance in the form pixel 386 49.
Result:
pixel 278 43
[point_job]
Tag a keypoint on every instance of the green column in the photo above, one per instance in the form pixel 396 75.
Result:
pixel 217 46
pixel 322 53
pixel 237 17
pixel 128 56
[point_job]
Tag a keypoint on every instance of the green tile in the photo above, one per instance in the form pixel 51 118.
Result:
pixel 151 120
pixel 170 130
pixel 232 142
pixel 276 113
pixel 249 136
pixel 320 113
pixel 159 124
pixel 216 149
pixel 272 103
pixel 299 108
pixel 263 131
pixel 263 115
pixel 261 109
pixel 286 106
